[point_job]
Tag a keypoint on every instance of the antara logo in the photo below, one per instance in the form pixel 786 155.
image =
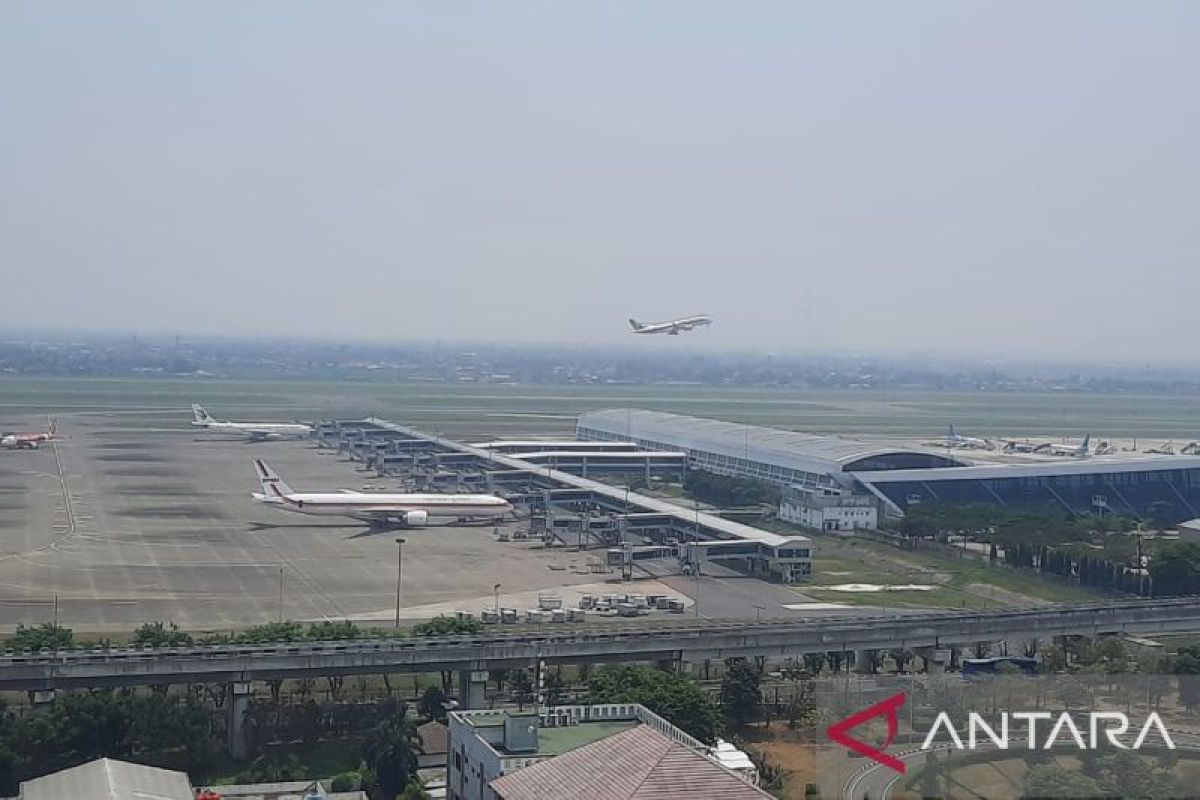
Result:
pixel 1094 730
pixel 885 708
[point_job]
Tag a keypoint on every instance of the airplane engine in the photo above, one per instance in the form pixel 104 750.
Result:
pixel 416 519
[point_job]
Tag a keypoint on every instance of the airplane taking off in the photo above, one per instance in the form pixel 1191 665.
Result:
pixel 29 441
pixel 258 431
pixel 410 510
pixel 671 328
pixel 1074 450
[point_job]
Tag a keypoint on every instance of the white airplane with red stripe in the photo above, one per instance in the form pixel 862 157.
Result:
pixel 410 510
pixel 29 441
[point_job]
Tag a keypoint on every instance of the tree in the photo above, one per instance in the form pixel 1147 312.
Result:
pixel 391 754
pixel 1175 568
pixel 740 694
pixel 447 626
pixel 413 791
pixel 1186 665
pixel 676 698
pixel 156 634
pixel 333 631
pixel 1126 773
pixel 273 766
pixel 432 704
pixel 36 637
pixel 555 688
pixel 522 686
pixel 1052 781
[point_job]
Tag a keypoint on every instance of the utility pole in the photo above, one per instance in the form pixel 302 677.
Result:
pixel 281 593
pixel 399 575
pixel 496 592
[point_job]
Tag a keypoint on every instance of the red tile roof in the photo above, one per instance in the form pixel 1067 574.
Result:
pixel 637 764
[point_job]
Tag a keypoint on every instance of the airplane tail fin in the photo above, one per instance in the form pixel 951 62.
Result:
pixel 272 484
pixel 953 435
pixel 199 415
pixel 52 428
pixel 633 323
pixel 1083 447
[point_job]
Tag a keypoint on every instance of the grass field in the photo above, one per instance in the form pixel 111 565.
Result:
pixel 473 410
pixel 961 583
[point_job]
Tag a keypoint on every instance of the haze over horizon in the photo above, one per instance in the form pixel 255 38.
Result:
pixel 950 178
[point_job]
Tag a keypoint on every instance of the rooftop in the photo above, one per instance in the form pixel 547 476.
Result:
pixel 556 741
pixel 109 779
pixel 636 764
pixel 791 449
pixel 726 528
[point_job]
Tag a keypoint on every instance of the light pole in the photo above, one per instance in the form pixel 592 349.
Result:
pixel 399 575
pixel 496 592
pixel 758 613
pixel 281 593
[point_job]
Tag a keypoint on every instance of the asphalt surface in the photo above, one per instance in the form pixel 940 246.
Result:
pixel 126 523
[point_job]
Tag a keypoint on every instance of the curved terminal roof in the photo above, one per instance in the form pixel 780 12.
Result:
pixel 801 451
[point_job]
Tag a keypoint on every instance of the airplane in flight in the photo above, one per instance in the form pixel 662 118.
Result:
pixel 672 327
pixel 30 441
pixel 257 431
pixel 956 439
pixel 1073 450
pixel 377 508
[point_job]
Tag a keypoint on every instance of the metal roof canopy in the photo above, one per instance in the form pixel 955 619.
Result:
pixel 730 529
pixel 1083 466
pixel 801 451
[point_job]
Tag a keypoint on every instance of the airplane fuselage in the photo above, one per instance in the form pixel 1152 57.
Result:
pixel 258 429
pixel 673 327
pixel 375 506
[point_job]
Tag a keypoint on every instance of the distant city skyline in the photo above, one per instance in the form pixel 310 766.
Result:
pixel 969 180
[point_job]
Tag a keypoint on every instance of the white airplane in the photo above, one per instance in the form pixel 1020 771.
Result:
pixel 671 328
pixel 252 430
pixel 377 508
pixel 1074 450
pixel 30 441
pixel 956 439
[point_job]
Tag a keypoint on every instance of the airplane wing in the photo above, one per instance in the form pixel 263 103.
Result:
pixel 259 435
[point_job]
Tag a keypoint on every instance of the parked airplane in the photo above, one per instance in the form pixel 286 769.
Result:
pixel 253 430
pixel 672 327
pixel 410 510
pixel 1074 450
pixel 956 439
pixel 1021 446
pixel 29 441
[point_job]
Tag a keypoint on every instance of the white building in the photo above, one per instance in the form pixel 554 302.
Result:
pixel 828 509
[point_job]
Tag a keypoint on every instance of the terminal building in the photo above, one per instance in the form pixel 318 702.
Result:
pixel 1162 486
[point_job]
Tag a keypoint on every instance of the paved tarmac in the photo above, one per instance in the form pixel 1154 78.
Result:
pixel 126 524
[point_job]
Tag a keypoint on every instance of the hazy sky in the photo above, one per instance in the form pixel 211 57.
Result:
pixel 1008 177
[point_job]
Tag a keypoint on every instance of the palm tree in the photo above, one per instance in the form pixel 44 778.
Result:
pixel 391 753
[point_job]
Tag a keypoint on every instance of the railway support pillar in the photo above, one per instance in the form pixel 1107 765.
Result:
pixel 863 661
pixel 472 688
pixel 240 695
pixel 935 659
